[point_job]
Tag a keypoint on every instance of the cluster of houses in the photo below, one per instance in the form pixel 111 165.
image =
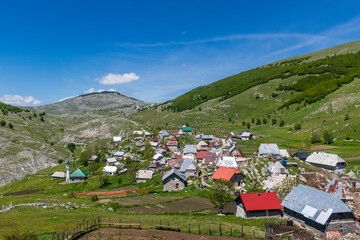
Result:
pixel 324 210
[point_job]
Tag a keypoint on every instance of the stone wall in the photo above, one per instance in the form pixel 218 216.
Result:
pixel 170 184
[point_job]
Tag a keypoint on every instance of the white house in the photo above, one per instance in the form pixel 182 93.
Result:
pixel 246 136
pixel 143 175
pixel 284 153
pixel 110 161
pixel 189 168
pixel 119 154
pixel 117 139
pixel 111 170
pixel 270 149
pixel 158 157
pixel 327 161
pixel 229 162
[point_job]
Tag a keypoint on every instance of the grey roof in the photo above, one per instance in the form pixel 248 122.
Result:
pixel 269 148
pixel 233 148
pixel 164 133
pixel 338 189
pixel 207 137
pixel 176 172
pixel 59 174
pixel 186 164
pixel 246 134
pixel 313 204
pixel 144 174
pixel 324 159
pixel 189 149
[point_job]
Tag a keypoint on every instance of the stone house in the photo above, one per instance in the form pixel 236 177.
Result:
pixel 143 175
pixel 189 168
pixel 173 145
pixel 230 174
pixel 174 180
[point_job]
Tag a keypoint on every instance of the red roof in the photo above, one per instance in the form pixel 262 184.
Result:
pixel 174 138
pixel 225 173
pixel 260 201
pixel 201 154
pixel 172 143
pixel 239 153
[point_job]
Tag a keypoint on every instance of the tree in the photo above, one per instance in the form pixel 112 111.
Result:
pixel 84 156
pixel 244 123
pixel 10 125
pixel 71 147
pixel 42 119
pixel 258 122
pixel 264 121
pixel 282 123
pixel 347 116
pixel 315 137
pixel 273 121
pixel 221 193
pixel 252 120
pixel 2 123
pixel 248 125
pixel 93 166
pixel 297 126
pixel 103 179
pixel 328 137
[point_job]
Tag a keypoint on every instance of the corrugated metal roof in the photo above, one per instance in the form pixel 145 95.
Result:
pixel 324 158
pixel 59 174
pixel 225 173
pixel 260 201
pixel 176 172
pixel 79 173
pixel 146 174
pixel 207 137
pixel 303 199
pixel 269 148
pixel 111 160
pixel 189 149
pixel 227 162
pixel 338 189
pixel 246 134
pixel 164 133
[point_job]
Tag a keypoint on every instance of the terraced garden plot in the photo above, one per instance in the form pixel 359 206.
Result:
pixel 184 205
pixel 146 199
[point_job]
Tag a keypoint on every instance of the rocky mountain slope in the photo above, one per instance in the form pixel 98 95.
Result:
pixel 97 101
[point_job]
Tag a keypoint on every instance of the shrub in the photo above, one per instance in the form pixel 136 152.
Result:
pixel 21 236
pixel 273 121
pixel 71 147
pixel 258 122
pixel 264 121
pixel 10 125
pixel 60 161
pixel 248 125
pixel 297 126
pixel 2 123
pixel 328 137
pixel 315 137
pixel 282 123
pixel 94 198
pixel 347 117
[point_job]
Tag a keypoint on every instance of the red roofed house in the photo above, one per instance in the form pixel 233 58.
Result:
pixel 230 174
pixel 258 205
pixel 200 155
pixel 209 158
pixel 239 154
pixel 172 145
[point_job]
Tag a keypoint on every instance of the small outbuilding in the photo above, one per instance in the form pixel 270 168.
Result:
pixel 58 175
pixel 143 175
pixel 269 149
pixel 189 168
pixel 258 205
pixel 301 155
pixel 230 174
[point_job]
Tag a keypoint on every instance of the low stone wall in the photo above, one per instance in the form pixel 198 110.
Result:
pixel 43 205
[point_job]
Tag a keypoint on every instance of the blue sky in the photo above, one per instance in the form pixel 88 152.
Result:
pixel 154 50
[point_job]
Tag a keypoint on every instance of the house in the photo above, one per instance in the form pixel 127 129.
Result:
pixel 277 168
pixel 117 139
pixel 155 166
pixel 209 158
pixel 239 154
pixel 246 136
pixel 190 149
pixel 258 205
pixel 268 150
pixel 119 155
pixel 176 155
pixel 175 163
pixel 173 145
pixel 189 168
pixel 78 175
pixel 164 134
pixel 143 175
pixel 327 161
pixel 339 190
pixel 318 210
pixel 205 137
pixel 200 155
pixel 58 175
pixel 110 170
pixel 186 129
pixel 284 154
pixel 301 155
pixel 225 161
pixel 94 158
pixel 232 149
pixel 229 174
pixel 148 134
pixel 110 161
pixel 157 157
pixel 202 146
pixel 174 180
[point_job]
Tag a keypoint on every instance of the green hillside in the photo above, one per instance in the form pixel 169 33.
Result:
pixel 323 74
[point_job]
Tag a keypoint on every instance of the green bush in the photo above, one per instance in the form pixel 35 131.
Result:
pixel 297 126
pixel 2 123
pixel 328 137
pixel 21 236
pixel 94 198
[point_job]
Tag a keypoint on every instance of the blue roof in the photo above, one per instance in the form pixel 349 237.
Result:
pixel 204 136
pixel 313 204
pixel 186 164
pixel 176 172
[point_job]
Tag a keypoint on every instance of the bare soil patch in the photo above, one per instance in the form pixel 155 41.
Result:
pixel 298 233
pixel 314 180
pixel 321 147
pixel 22 192
pixel 145 199
pixel 142 234
pixel 352 159
pixel 184 205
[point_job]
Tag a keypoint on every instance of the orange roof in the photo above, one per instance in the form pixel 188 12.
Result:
pixel 201 154
pixel 225 173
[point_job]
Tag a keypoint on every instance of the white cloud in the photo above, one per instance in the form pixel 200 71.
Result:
pixel 114 78
pixel 19 100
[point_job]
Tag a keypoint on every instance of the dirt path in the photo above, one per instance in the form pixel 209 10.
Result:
pixel 142 234
pixel 352 159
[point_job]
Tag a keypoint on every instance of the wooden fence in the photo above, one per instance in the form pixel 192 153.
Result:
pixel 83 227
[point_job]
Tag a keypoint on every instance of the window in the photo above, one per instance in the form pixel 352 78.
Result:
pixel 177 186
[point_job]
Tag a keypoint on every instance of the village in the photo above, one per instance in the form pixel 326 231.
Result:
pixel 310 190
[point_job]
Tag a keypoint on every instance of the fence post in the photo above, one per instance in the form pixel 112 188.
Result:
pixel 253 231
pixel 231 231
pixel 220 228
pixel 58 237
pixel 199 228
pixel 242 230
pixel 189 227
pixel 209 230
